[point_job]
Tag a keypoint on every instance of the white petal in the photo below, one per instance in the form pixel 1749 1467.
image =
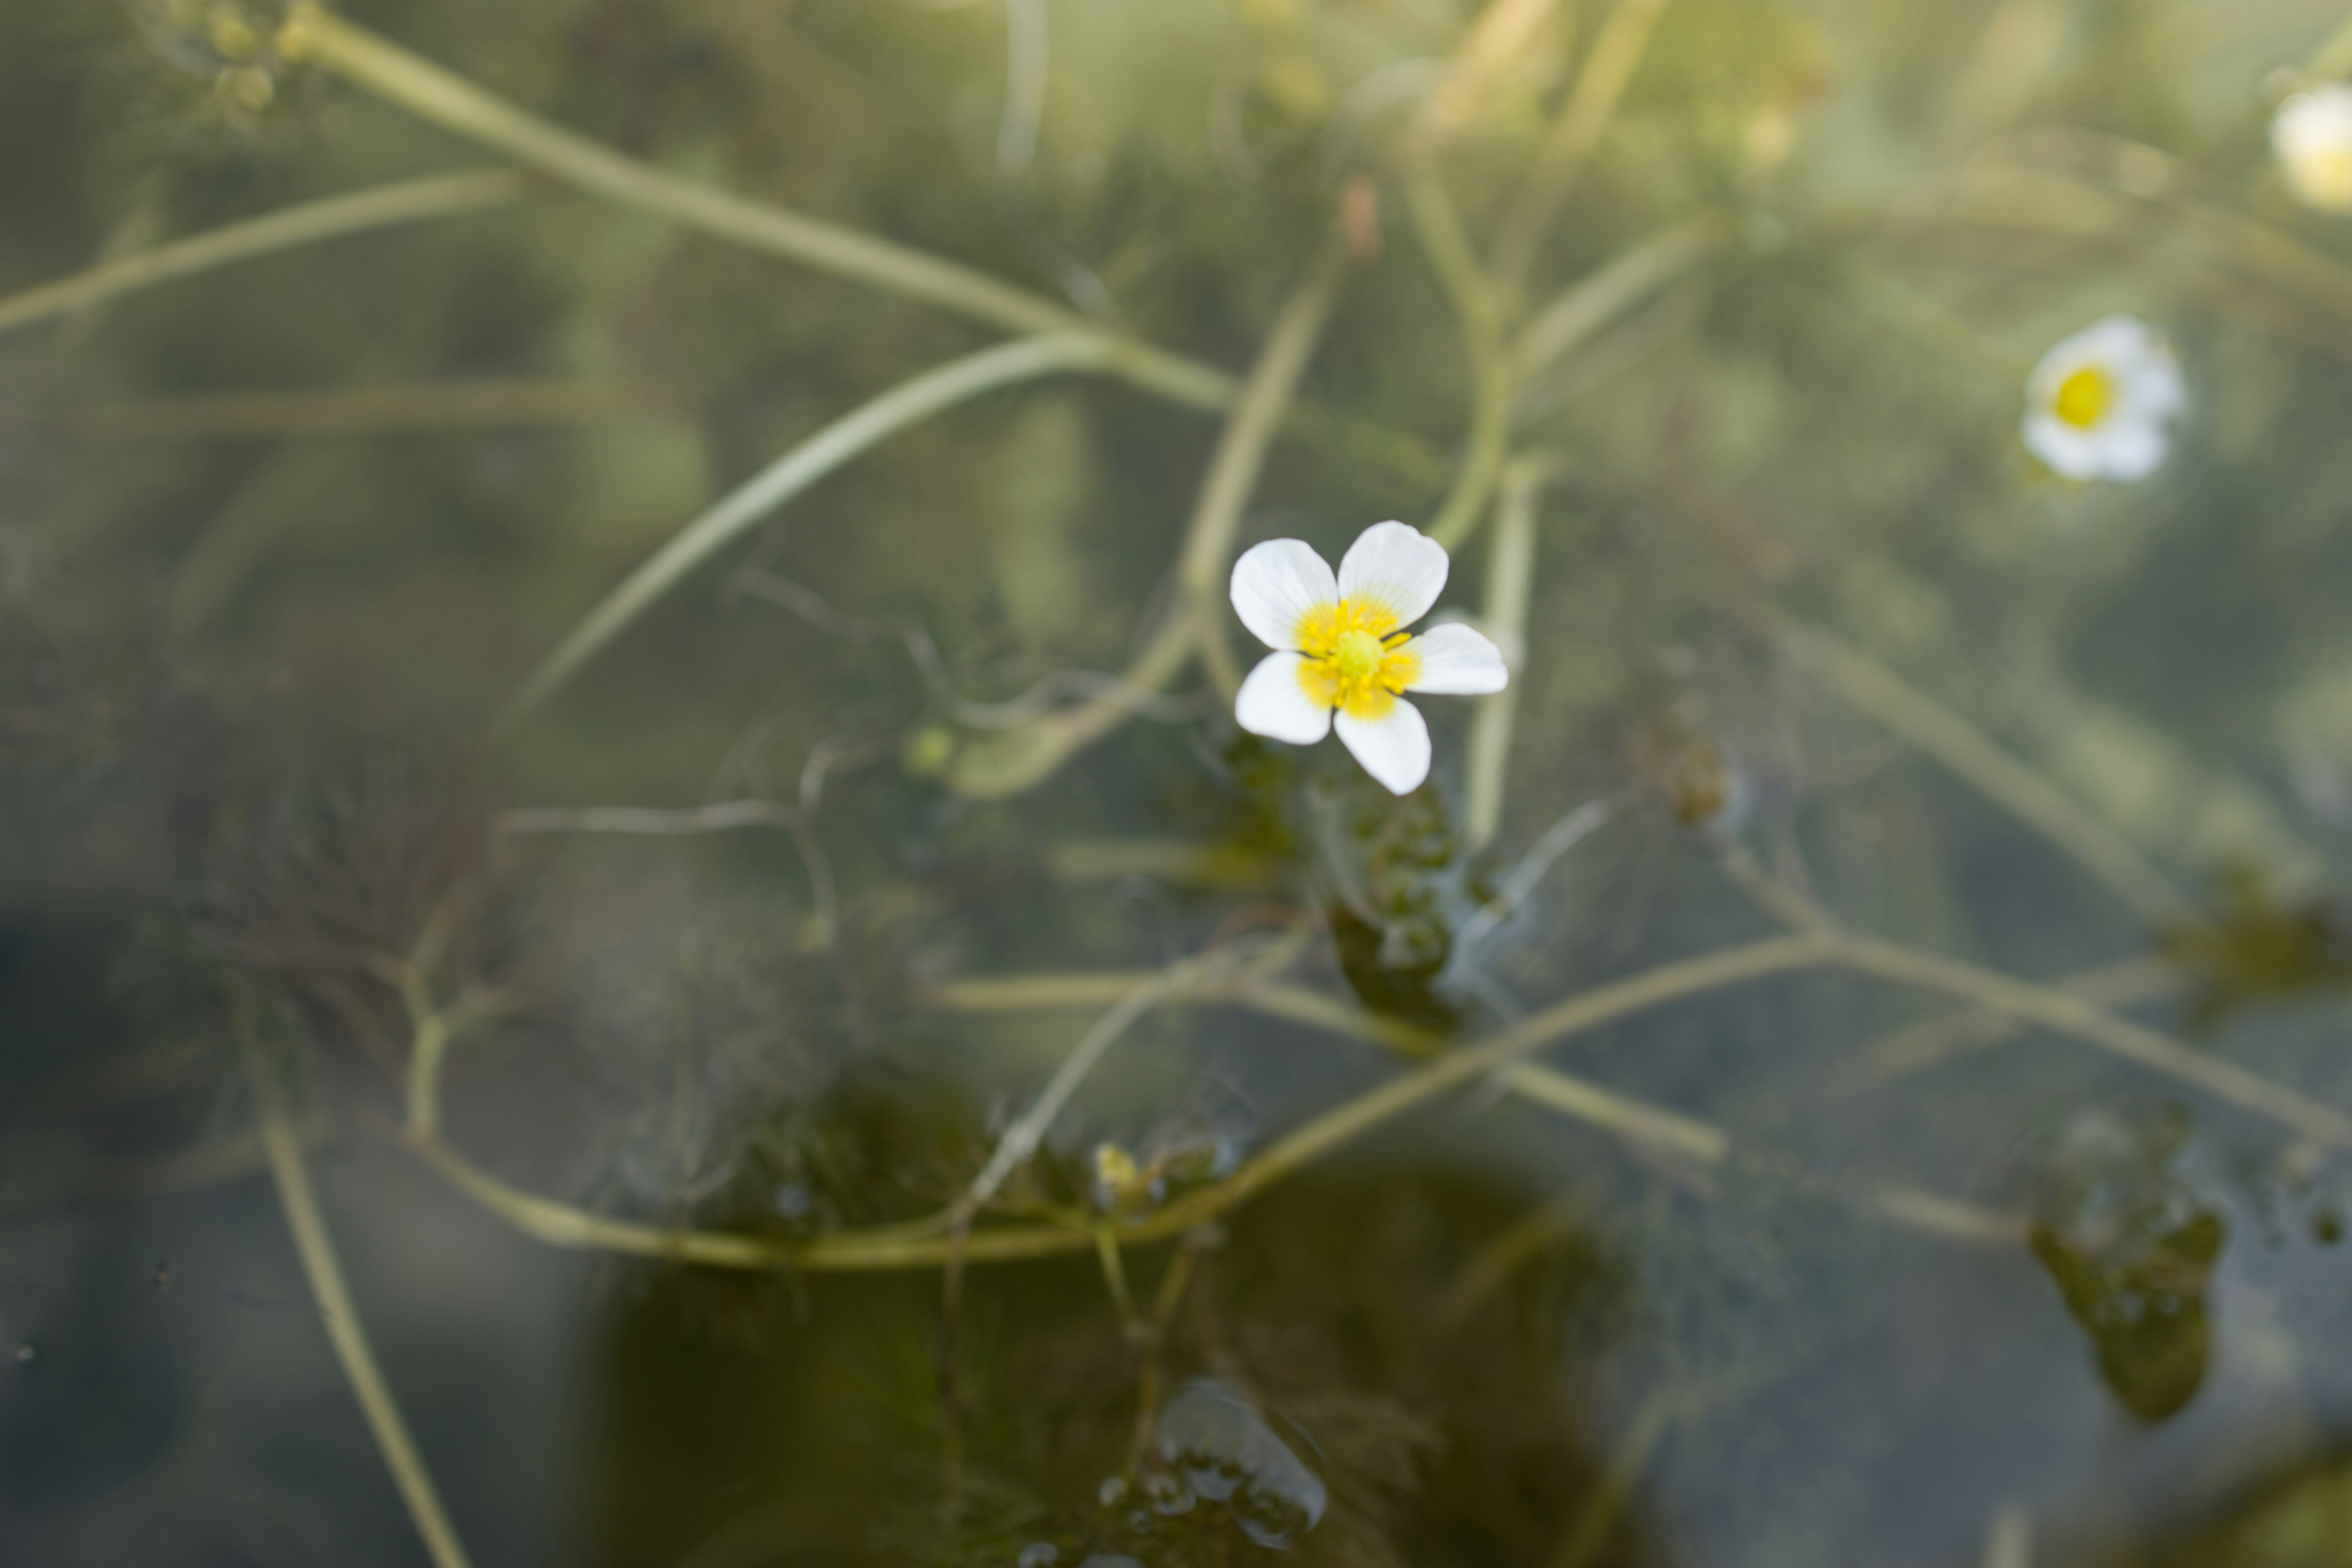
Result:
pixel 2070 452
pixel 1396 566
pixel 2313 136
pixel 1394 748
pixel 1274 704
pixel 2312 122
pixel 2115 346
pixel 2131 449
pixel 1458 660
pixel 1276 582
pixel 2154 388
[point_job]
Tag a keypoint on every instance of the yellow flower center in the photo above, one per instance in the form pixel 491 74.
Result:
pixel 2085 397
pixel 1353 661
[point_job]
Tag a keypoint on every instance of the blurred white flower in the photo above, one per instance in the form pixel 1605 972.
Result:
pixel 2312 134
pixel 2098 405
pixel 1336 646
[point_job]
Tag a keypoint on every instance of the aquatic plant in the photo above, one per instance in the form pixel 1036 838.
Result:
pixel 1005 1110
pixel 1338 650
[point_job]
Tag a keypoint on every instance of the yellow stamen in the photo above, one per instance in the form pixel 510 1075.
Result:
pixel 1320 629
pixel 2085 397
pixel 1350 664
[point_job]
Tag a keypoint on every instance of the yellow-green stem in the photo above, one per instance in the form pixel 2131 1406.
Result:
pixel 315 1246
pixel 449 100
pixel 409 201
pixel 1479 312
pixel 1623 39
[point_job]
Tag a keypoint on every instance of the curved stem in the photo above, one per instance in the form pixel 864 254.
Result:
pixel 1623 39
pixel 1021 1141
pixel 1481 316
pixel 459 106
pixel 1013 760
pixel 316 1246
pixel 927 1242
pixel 2086 1021
pixel 1577 313
pixel 2032 799
pixel 408 201
pixel 907 404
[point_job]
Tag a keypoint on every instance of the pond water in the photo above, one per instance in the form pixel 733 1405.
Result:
pixel 638 926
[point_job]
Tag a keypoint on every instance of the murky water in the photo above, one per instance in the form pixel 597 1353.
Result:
pixel 637 924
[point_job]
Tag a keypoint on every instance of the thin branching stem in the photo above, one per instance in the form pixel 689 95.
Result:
pixel 1479 312
pixel 1510 582
pixel 1597 1519
pixel 408 201
pixel 1574 316
pixel 854 432
pixel 1021 1140
pixel 459 106
pixel 2106 854
pixel 1619 48
pixel 2077 1016
pixel 1017 759
pixel 1932 1041
pixel 924 1242
pixel 345 1330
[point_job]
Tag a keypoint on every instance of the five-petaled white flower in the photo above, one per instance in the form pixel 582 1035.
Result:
pixel 2312 134
pixel 1338 646
pixel 2097 405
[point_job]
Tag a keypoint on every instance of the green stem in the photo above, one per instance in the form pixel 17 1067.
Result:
pixel 1623 39
pixel 2088 1021
pixel 441 195
pixel 2033 800
pixel 908 404
pixel 459 107
pixel 316 1246
pixel 1575 315
pixel 1481 318
pixel 1015 760
pixel 1510 580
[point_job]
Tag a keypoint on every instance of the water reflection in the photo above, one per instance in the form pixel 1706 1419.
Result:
pixel 1223 1451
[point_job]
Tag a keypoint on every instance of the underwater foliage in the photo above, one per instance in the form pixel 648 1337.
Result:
pixel 655 906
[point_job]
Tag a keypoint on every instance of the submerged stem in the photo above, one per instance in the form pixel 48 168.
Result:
pixel 408 201
pixel 1480 314
pixel 1623 39
pixel 908 404
pixel 920 1243
pixel 1510 581
pixel 1013 760
pixel 1577 314
pixel 459 106
pixel 316 1246
pixel 2031 798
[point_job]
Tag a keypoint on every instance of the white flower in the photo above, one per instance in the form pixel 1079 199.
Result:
pixel 1338 646
pixel 2097 405
pixel 2312 134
